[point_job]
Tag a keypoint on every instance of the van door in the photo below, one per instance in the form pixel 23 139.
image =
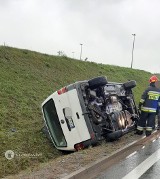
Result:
pixel 71 118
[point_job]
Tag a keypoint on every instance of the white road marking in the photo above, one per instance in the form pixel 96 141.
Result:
pixel 154 140
pixel 144 166
pixel 131 154
pixel 143 147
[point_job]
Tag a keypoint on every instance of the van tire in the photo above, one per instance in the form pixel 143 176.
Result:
pixel 97 82
pixel 129 84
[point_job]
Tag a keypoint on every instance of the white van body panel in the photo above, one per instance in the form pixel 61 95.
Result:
pixel 80 132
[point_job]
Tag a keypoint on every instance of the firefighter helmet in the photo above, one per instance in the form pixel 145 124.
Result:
pixel 153 79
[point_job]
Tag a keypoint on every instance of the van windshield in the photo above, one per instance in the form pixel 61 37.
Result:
pixel 53 124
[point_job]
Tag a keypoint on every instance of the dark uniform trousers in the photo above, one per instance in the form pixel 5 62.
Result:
pixel 147 121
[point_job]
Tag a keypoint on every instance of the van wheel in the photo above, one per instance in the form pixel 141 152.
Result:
pixel 129 84
pixel 97 82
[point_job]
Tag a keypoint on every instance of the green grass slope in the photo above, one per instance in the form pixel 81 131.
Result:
pixel 26 79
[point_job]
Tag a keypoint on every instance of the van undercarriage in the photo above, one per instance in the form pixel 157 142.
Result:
pixel 111 107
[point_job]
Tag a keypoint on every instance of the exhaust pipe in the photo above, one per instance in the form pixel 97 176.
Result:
pixel 117 134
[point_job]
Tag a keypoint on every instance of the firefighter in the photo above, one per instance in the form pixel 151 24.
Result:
pixel 148 105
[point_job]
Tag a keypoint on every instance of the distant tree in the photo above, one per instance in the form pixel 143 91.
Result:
pixel 61 53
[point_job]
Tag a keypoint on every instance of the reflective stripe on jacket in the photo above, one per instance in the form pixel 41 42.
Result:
pixel 146 109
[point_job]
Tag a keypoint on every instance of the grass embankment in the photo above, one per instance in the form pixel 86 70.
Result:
pixel 26 79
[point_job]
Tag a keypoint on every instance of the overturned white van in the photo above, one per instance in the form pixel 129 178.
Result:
pixel 86 112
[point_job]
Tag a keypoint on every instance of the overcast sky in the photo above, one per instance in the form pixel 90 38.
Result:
pixel 104 27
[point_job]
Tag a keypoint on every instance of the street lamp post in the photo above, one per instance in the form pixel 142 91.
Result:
pixel 81 51
pixel 133 48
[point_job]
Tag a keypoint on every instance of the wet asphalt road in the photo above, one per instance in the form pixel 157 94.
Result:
pixel 153 172
pixel 143 163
